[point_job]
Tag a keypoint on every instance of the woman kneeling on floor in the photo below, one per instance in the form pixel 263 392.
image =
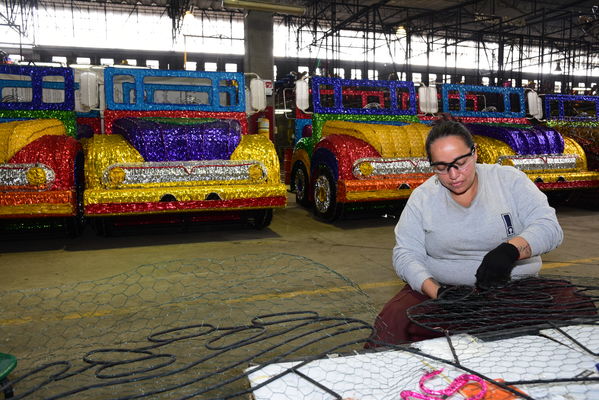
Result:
pixel 480 225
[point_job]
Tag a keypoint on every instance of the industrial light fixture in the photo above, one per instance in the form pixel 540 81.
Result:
pixel 558 67
pixel 260 6
pixel 401 31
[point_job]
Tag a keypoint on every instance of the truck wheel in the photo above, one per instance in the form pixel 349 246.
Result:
pixel 261 219
pixel 103 226
pixel 300 184
pixel 325 196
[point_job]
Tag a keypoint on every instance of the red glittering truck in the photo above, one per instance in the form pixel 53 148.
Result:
pixel 40 161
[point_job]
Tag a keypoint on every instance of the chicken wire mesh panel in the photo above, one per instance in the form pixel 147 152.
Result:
pixel 100 335
pixel 240 346
pixel 462 366
pixel 533 339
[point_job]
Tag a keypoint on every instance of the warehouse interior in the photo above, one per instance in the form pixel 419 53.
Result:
pixel 83 315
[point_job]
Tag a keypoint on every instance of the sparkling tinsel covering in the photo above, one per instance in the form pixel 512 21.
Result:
pixel 38 82
pixel 318 121
pixel 560 100
pixel 40 169
pixel 26 176
pixel 489 150
pixel 182 173
pixel 180 121
pixel 160 141
pixel 139 88
pixel 586 135
pixel 464 91
pixel 393 87
pixel 260 148
pixel 57 152
pixel 218 192
pixel 66 117
pixel 550 172
pixel 372 168
pixel 102 151
pixel 17 134
pixel 86 126
pixel 388 140
pixel 523 139
pixel 111 115
pixel 39 204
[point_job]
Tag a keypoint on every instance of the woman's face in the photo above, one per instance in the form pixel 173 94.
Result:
pixel 454 163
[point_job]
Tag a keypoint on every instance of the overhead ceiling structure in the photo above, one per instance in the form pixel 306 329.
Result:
pixel 565 31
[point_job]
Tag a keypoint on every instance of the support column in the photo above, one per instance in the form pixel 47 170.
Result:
pixel 258 44
pixel 258 58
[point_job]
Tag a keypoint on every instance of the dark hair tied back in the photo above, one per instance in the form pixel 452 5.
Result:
pixel 445 126
pixel 444 117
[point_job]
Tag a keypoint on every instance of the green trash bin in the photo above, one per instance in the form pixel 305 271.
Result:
pixel 7 364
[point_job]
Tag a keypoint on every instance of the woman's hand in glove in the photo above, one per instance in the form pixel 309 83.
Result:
pixel 497 266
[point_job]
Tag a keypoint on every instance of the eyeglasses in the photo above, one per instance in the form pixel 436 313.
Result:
pixel 460 163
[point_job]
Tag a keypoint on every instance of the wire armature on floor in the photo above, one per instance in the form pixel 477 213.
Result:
pixel 210 361
pixel 521 303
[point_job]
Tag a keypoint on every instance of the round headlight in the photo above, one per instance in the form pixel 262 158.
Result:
pixel 36 176
pixel 116 176
pixel 366 169
pixel 256 172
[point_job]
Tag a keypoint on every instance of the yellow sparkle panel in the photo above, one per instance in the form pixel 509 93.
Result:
pixel 417 134
pixel 553 176
pixel 572 147
pixel 104 150
pixel 260 148
pixel 489 150
pixel 17 134
pixel 389 140
pixel 194 193
pixel 37 209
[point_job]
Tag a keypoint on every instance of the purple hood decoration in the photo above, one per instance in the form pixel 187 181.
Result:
pixel 524 140
pixel 159 141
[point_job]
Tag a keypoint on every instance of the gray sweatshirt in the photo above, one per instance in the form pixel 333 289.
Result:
pixel 438 238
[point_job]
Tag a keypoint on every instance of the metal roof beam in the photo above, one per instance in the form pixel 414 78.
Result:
pixel 351 19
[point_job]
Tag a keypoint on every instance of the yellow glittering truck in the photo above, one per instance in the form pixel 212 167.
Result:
pixel 177 144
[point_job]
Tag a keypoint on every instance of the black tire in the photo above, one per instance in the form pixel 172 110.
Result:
pixel 73 226
pixel 326 207
pixel 301 184
pixel 103 226
pixel 260 219
pixel 559 198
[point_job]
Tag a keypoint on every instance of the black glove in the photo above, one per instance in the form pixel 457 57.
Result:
pixel 496 266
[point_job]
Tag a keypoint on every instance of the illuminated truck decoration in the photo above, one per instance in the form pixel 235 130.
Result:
pixel 39 164
pixel 177 142
pixel 578 117
pixel 505 135
pixel 364 146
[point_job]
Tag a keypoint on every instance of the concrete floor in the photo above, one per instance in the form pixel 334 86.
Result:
pixel 359 249
pixel 349 261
